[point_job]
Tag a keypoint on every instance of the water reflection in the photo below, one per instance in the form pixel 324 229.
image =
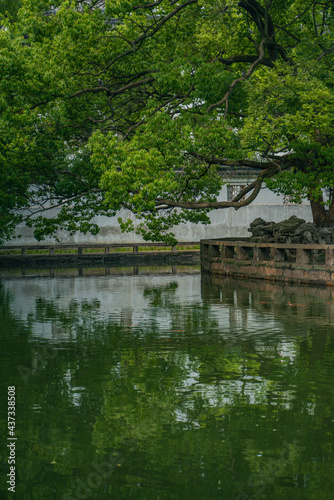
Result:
pixel 163 385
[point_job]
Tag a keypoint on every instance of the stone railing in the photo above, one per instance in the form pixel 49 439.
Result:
pixel 271 252
pixel 309 263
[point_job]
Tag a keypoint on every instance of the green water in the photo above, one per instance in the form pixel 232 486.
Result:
pixel 154 384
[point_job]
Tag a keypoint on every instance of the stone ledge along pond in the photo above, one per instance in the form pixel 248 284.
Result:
pixel 162 383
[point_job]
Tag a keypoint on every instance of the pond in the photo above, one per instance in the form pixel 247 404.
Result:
pixel 161 384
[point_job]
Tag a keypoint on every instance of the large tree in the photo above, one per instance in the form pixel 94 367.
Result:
pixel 143 105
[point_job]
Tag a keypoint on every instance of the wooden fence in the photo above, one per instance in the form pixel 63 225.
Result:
pixel 97 248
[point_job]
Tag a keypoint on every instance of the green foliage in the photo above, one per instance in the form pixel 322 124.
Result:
pixel 9 9
pixel 142 106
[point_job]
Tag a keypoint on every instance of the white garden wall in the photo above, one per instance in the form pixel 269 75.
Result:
pixel 224 223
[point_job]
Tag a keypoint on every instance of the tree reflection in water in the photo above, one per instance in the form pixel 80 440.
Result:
pixel 199 389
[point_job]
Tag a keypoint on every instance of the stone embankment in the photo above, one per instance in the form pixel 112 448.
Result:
pixel 290 251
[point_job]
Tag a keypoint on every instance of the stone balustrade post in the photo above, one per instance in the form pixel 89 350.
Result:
pixel 302 256
pixel 329 260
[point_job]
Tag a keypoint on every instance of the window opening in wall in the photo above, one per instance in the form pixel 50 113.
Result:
pixel 233 191
pixel 287 200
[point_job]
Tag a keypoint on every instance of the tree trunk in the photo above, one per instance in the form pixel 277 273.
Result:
pixel 322 217
pixel 330 214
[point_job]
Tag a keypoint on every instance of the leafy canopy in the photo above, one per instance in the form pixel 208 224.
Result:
pixel 143 105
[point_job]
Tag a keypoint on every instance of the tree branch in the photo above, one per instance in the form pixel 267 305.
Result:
pixel 148 33
pixel 238 80
pixel 296 18
pixel 244 58
pixel 155 111
pixel 326 53
pixel 255 186
pixel 113 92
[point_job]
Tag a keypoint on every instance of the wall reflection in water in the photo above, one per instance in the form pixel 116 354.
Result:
pixel 162 383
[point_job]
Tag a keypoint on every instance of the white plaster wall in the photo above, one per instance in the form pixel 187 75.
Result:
pixel 224 223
